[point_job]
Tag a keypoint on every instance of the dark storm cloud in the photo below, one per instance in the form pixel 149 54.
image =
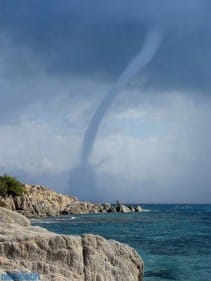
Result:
pixel 87 38
pixel 49 46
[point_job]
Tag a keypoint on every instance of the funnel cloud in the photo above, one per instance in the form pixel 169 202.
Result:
pixel 151 45
pixel 84 174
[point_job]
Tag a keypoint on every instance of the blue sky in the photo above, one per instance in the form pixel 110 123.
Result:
pixel 57 61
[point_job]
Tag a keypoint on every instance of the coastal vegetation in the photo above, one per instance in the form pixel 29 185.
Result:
pixel 10 186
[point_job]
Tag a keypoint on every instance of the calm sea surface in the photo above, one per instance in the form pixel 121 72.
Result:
pixel 173 240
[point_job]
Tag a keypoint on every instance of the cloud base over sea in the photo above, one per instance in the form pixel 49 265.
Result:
pixel 56 63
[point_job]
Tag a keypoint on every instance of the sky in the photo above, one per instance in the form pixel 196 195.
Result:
pixel 58 59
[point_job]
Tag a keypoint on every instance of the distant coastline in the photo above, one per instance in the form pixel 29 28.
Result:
pixel 39 201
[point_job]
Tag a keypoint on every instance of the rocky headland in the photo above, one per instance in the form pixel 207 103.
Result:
pixel 25 248
pixel 39 201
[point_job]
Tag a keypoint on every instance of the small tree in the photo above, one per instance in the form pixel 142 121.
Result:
pixel 3 188
pixel 10 186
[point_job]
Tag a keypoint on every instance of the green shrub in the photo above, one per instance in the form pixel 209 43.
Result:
pixel 10 186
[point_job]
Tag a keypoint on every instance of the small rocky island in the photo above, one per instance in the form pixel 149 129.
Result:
pixel 38 201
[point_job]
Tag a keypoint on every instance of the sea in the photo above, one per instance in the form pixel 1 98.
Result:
pixel 173 240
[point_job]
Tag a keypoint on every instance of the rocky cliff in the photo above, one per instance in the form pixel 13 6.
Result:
pixel 39 201
pixel 24 248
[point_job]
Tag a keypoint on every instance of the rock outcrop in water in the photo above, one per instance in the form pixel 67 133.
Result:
pixel 26 248
pixel 39 201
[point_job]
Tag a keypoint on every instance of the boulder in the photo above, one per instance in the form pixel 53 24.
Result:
pixel 26 248
pixel 7 216
pixel 106 205
pixel 112 209
pixel 124 209
pixel 7 202
pixel 138 209
pixel 132 209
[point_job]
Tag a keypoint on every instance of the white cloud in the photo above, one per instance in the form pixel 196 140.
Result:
pixel 172 163
pixel 37 147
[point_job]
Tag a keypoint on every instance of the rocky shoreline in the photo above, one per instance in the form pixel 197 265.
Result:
pixel 40 201
pixel 36 253
pixel 26 249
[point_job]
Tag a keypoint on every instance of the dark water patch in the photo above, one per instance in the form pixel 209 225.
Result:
pixel 163 274
pixel 185 246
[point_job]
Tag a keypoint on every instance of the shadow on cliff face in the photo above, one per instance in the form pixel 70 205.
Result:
pixel 82 182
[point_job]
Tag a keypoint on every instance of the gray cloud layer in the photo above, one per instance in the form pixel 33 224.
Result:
pixel 85 38
pixel 58 59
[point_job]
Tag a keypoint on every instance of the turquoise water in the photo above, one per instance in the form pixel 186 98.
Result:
pixel 173 240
